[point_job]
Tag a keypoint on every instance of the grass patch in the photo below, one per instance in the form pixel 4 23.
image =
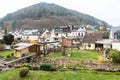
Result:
pixel 6 53
pixel 77 55
pixel 61 75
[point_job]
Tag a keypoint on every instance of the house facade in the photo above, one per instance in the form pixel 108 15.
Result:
pixel 68 32
pixel 115 33
pixel 89 40
pixel 34 34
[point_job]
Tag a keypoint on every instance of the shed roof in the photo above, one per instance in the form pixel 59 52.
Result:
pixel 23 44
pixel 20 48
pixel 106 41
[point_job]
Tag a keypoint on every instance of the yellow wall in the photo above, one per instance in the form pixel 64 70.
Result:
pixel 19 53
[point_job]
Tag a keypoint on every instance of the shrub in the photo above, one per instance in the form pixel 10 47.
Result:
pixel 8 56
pixel 12 54
pixel 24 71
pixel 2 47
pixel 115 55
pixel 47 67
pixel 28 60
pixel 100 59
pixel 27 65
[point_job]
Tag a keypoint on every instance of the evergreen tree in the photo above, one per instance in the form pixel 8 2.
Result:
pixel 8 39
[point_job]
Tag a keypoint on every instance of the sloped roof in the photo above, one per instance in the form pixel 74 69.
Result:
pixel 118 31
pixel 113 30
pixel 20 48
pixel 23 44
pixel 106 41
pixel 92 37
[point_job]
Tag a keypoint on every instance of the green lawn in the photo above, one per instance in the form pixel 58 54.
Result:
pixel 77 55
pixel 6 53
pixel 61 75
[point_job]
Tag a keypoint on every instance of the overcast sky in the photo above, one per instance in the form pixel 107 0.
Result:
pixel 107 10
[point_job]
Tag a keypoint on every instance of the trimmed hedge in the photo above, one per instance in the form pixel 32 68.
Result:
pixel 24 71
pixel 47 67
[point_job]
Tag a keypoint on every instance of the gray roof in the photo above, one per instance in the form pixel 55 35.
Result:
pixel 90 31
pixel 118 31
pixel 34 32
pixel 92 37
pixel 106 41
pixel 23 45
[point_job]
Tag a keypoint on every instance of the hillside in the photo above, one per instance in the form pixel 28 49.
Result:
pixel 49 16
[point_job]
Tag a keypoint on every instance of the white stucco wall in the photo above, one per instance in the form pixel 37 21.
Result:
pixel 85 46
pixel 116 46
pixel 106 46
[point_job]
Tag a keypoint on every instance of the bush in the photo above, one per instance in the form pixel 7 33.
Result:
pixel 115 55
pixel 28 60
pixel 27 65
pixel 2 47
pixel 8 56
pixel 47 67
pixel 23 71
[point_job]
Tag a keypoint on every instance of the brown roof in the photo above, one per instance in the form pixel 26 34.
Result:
pixel 20 48
pixel 92 37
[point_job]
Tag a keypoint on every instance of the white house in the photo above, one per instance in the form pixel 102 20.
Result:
pixel 31 34
pixel 68 31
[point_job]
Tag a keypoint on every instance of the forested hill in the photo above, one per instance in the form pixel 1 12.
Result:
pixel 48 15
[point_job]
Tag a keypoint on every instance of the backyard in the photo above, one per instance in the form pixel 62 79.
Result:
pixel 6 53
pixel 61 75
pixel 64 73
pixel 77 55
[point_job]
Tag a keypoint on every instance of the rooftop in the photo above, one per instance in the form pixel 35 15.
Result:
pixel 23 44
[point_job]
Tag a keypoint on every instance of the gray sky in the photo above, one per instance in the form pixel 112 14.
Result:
pixel 107 10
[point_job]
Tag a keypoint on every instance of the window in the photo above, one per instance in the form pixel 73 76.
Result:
pixel 81 34
pixel 78 34
pixel 56 34
pixel 89 45
pixel 56 39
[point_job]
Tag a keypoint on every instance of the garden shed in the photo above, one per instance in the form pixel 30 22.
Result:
pixel 22 49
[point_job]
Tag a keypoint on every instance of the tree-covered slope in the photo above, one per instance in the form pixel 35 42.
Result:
pixel 48 15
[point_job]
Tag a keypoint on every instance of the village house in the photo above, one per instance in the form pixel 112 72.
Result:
pixel 68 32
pixel 89 40
pixel 34 34
pixel 115 33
